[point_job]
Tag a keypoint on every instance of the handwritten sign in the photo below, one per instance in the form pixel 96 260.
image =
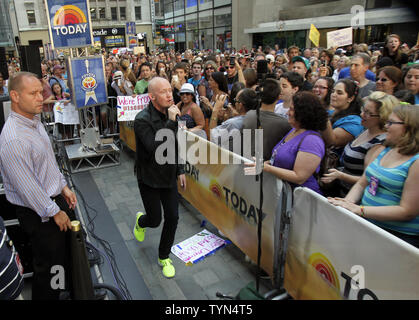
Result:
pixel 128 107
pixel 314 35
pixel 198 247
pixel 66 113
pixel 339 38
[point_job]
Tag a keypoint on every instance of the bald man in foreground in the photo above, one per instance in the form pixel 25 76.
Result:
pixel 34 184
pixel 158 182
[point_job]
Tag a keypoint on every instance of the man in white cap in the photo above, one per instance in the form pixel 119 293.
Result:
pixel 271 62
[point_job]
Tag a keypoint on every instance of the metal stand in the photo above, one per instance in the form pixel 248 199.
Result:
pixel 93 152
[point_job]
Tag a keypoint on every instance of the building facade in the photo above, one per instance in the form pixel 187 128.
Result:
pixel 196 24
pixel 287 22
pixel 108 17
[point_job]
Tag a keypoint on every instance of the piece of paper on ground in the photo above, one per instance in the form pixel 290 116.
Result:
pixel 198 247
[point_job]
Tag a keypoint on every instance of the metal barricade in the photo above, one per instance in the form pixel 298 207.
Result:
pixel 92 143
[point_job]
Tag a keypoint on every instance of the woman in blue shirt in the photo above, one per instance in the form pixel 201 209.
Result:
pixel 345 123
pixel 387 193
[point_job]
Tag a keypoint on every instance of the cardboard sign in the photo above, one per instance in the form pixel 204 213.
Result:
pixel 314 35
pixel 199 246
pixel 69 23
pixel 128 106
pixel 339 38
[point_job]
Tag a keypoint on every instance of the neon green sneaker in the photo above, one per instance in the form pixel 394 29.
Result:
pixel 168 268
pixel 139 232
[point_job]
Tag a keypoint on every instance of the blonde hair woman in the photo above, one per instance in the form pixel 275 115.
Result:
pixel 387 191
pixel 357 154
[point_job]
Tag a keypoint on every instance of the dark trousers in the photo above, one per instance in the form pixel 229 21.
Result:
pixel 153 199
pixel 50 247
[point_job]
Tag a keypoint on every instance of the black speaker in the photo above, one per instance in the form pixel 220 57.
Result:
pixel 30 59
pixel 3 64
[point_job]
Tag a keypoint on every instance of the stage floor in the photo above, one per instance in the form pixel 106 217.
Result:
pixel 114 194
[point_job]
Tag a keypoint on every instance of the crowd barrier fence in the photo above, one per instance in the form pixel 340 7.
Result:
pixel 309 247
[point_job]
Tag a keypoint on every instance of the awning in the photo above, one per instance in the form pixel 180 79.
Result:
pixel 372 17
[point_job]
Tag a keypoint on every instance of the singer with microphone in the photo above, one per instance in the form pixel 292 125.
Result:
pixel 158 183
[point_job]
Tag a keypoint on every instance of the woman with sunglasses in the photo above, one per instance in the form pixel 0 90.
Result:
pixel 386 194
pixel 357 154
pixel 190 112
pixel 204 89
pixel 388 80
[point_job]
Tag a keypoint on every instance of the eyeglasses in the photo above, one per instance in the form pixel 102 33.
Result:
pixel 320 87
pixel 382 79
pixel 369 114
pixel 390 123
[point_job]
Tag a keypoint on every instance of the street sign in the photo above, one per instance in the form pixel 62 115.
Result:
pixel 69 23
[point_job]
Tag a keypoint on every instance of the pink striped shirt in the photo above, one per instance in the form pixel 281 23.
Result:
pixel 28 166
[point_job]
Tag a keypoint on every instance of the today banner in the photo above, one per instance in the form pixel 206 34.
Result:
pixel 69 23
pixel 334 254
pixel 230 200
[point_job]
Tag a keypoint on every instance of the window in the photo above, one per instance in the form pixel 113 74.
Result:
pixel 93 15
pixel 192 21
pixel 158 8
pixel 137 13
pixel 114 14
pixel 191 6
pixel 31 16
pixel 122 13
pixel 222 17
pixel 102 13
pixel 205 4
pixel 205 19
pixel 168 9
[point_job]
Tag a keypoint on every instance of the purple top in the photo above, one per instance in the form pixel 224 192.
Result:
pixel 285 153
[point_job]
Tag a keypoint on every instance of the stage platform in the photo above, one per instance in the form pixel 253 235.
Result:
pixel 114 195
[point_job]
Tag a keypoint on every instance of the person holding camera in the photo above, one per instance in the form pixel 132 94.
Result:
pixel 245 100
pixel 179 78
pixel 234 73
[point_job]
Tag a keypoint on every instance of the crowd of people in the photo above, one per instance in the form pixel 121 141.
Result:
pixel 342 122
pixel 330 108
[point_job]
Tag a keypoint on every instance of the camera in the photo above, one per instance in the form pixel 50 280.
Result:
pixel 232 61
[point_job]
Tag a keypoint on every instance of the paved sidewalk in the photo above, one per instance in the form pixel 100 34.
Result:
pixel 225 271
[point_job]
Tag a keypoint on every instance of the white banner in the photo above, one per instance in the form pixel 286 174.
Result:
pixel 339 38
pixel 335 254
pixel 66 113
pixel 128 107
pixel 230 200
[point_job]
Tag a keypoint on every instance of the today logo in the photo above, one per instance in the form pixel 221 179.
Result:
pixel 69 20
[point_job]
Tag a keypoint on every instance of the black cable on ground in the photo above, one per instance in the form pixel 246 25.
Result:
pixel 120 282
